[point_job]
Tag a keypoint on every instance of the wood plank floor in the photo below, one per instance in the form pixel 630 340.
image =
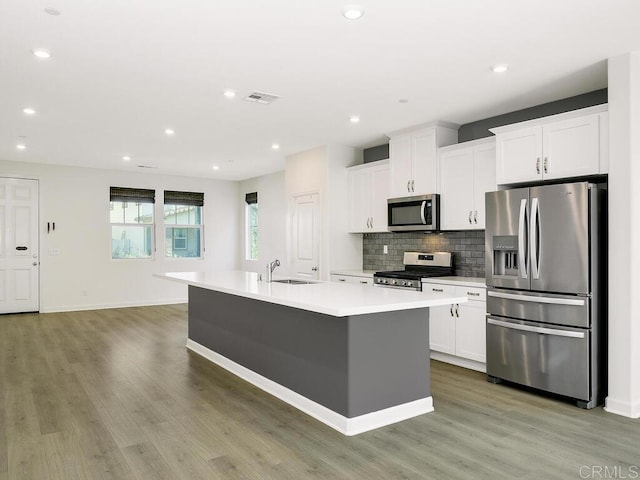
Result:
pixel 115 394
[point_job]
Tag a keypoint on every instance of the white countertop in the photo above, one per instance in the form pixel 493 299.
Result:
pixel 330 298
pixel 355 273
pixel 458 281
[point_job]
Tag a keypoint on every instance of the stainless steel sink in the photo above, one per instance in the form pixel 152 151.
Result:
pixel 293 281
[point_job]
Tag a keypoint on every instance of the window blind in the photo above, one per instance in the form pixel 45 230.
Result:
pixel 133 195
pixel 192 199
pixel 251 198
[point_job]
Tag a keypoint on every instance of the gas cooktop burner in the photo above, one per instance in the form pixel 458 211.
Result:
pixel 417 266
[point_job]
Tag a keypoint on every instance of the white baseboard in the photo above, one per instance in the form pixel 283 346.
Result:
pixel 345 425
pixel 626 409
pixel 459 361
pixel 103 306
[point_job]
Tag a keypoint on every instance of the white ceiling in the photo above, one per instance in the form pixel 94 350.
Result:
pixel 124 70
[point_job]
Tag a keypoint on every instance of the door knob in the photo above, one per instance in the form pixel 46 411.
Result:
pixel 314 269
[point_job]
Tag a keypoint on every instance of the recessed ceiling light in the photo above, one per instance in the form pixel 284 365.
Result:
pixel 126 158
pixel 28 111
pixel 229 93
pixel 216 167
pixel 22 143
pixel 52 11
pixel 354 119
pixel 352 12
pixel 275 146
pixel 41 52
pixel 501 68
pixel 169 131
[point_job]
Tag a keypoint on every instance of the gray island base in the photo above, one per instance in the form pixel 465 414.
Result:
pixel 354 373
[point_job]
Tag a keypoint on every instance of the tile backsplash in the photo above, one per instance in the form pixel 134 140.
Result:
pixel 467 248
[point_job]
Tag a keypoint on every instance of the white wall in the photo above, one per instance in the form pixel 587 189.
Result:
pixel 624 236
pixel 83 275
pixel 272 222
pixel 322 170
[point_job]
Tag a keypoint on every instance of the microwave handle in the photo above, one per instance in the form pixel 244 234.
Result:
pixel 422 212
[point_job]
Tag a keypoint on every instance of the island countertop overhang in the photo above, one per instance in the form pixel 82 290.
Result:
pixel 335 299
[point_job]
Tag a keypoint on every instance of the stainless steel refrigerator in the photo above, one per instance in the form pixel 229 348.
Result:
pixel 546 288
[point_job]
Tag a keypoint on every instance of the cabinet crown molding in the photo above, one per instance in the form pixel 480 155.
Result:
pixel 434 124
pixel 471 143
pixel 552 118
pixel 377 163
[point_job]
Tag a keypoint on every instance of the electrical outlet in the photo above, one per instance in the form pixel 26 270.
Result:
pixel 385 249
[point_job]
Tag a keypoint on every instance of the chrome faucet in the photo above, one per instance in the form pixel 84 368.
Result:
pixel 270 268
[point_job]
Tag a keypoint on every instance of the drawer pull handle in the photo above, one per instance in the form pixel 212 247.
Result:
pixel 364 281
pixel 437 289
pixel 341 280
pixel 471 294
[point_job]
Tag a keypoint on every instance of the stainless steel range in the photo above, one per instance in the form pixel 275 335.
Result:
pixel 417 265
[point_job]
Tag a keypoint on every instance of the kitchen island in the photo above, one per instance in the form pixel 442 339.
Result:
pixel 355 357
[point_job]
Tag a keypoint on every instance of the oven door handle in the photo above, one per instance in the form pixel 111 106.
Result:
pixel 528 298
pixel 422 212
pixel 541 330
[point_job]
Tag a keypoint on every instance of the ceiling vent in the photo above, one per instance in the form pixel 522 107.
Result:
pixel 260 97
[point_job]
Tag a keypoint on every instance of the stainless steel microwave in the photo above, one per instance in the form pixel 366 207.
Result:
pixel 419 213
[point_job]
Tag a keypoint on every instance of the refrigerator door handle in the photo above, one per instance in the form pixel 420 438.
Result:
pixel 577 302
pixel 522 244
pixel 535 238
pixel 542 330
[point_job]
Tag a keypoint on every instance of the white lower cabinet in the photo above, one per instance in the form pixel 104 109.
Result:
pixel 459 330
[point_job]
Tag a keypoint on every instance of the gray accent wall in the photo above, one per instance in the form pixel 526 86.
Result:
pixel 480 129
pixel 373 154
pixel 467 248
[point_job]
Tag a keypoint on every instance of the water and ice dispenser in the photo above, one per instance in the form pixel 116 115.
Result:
pixel 505 255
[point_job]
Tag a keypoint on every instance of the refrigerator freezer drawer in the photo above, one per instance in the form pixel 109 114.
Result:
pixel 554 359
pixel 538 307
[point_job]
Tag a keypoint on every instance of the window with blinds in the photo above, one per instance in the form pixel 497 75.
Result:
pixel 184 228
pixel 132 222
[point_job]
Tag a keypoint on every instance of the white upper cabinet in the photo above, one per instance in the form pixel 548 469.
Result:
pixel 571 147
pixel 368 193
pixel 467 172
pixel 571 144
pixel 414 159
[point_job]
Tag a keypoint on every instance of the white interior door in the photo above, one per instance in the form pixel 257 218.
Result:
pixel 19 263
pixel 306 235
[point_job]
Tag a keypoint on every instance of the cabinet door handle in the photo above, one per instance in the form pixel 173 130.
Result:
pixel 341 280
pixel 409 186
pixel 457 307
pixel 538 165
pixel 475 216
pixel 470 217
pixel 371 222
pixel 546 164
pixel 451 310
pixel 437 289
pixel 413 185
